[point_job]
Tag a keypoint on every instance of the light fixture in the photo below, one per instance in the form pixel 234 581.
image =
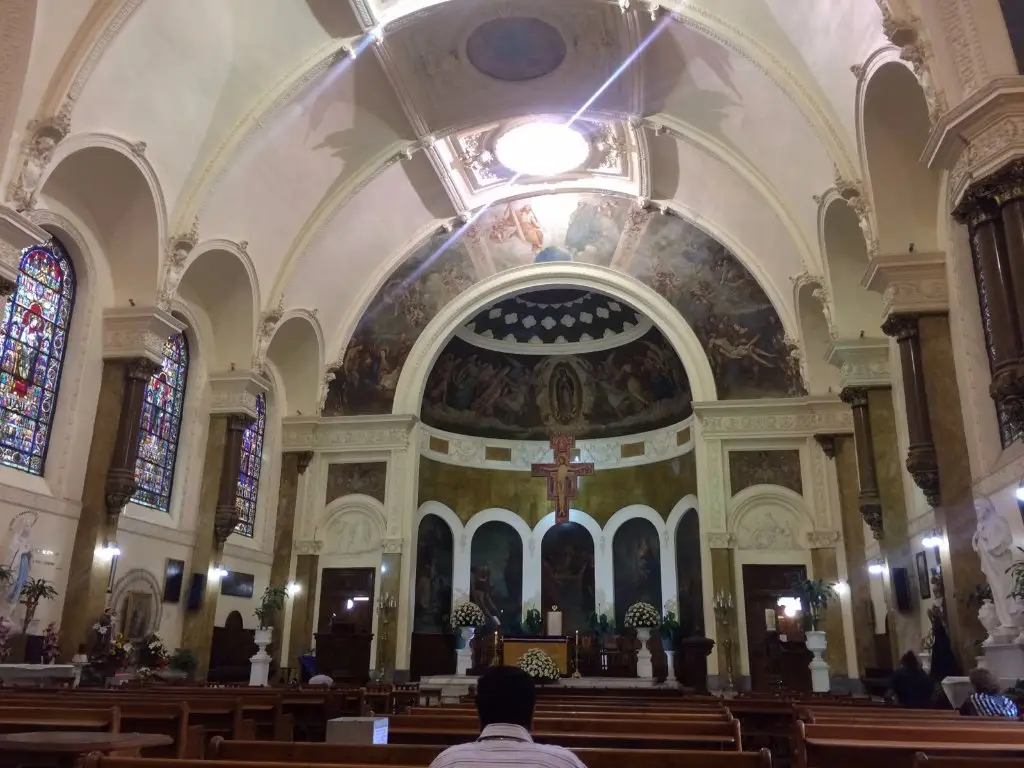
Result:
pixel 349 605
pixel 876 569
pixel 108 551
pixel 841 588
pixel 361 599
pixel 383 567
pixel 218 572
pixel 542 149
pixel 1020 493
pixel 292 588
pixel 932 541
pixel 790 606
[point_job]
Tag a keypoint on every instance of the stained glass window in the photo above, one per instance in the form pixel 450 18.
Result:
pixel 160 427
pixel 36 323
pixel 249 473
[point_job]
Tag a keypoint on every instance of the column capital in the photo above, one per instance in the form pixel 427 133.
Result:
pixel 861 362
pixel 721 541
pixel 909 283
pixel 311 547
pixel 855 397
pixel 235 392
pixel 900 327
pixel 17 233
pixel 828 444
pixel 134 332
pixel 823 539
pixel 304 459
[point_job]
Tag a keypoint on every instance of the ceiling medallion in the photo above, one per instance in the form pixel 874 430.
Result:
pixel 515 48
pixel 542 149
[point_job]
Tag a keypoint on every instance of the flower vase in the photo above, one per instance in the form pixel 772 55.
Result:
pixel 670 660
pixel 464 655
pixel 644 668
pixel 816 644
pixel 259 672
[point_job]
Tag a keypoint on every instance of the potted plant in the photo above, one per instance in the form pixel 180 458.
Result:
pixel 183 662
pixel 51 643
pixel 271 602
pixel 671 634
pixel 34 591
pixel 815 595
pixel 5 639
pixel 602 626
pixel 539 666
pixel 643 617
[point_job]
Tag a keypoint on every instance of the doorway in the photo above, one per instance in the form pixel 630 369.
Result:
pixel 346 601
pixel 763 585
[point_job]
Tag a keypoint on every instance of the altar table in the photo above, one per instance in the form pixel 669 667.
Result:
pixel 35 674
pixel 555 647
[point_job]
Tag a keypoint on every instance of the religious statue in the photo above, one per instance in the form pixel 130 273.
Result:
pixel 19 561
pixel 993 541
pixel 562 475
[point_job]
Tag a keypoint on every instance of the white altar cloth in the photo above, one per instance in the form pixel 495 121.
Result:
pixel 15 674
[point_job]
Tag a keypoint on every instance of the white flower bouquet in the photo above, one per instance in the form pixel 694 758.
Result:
pixel 467 614
pixel 538 665
pixel 642 616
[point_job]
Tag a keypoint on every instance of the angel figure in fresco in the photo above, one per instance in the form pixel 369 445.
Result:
pixel 521 223
pixel 28 335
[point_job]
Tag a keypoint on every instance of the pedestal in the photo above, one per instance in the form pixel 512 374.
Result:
pixel 259 672
pixel 357 730
pixel 1005 660
pixel 670 660
pixel 644 668
pixel 925 657
pixel 816 644
pixel 464 655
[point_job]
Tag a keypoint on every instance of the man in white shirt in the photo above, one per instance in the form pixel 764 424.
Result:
pixel 505 698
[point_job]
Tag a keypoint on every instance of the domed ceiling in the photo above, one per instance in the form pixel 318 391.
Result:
pixel 633 384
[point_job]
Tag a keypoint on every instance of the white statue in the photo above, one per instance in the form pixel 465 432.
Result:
pixel 19 560
pixel 993 542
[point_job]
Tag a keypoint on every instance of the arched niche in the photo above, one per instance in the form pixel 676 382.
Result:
pixel 297 351
pixel 689 587
pixel 666 554
pixel 813 311
pixel 352 525
pixel 905 191
pixel 637 561
pixel 568 574
pixel 529 590
pixel 855 308
pixel 604 588
pixel 435 568
pixel 496 566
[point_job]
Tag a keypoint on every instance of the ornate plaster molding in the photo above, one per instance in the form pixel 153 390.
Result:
pixel 854 194
pixel 910 285
pixel 41 139
pixel 310 547
pixel 16 233
pixel 861 362
pixel 823 539
pixel 721 540
pixel 979 135
pixel 908 33
pixel 392 546
pixel 463 450
pixel 823 294
pixel 179 247
pixel 134 332
pixel 347 433
pixel 793 417
pixel 269 322
pixel 236 392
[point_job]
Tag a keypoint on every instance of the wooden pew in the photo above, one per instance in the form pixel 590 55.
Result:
pixel 17 719
pixel 707 716
pixel 853 746
pixel 921 760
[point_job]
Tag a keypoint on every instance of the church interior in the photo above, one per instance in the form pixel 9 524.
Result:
pixel 675 342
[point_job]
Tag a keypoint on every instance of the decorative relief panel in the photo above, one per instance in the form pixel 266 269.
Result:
pixel 352 533
pixel 353 433
pixel 766 529
pixel 364 477
pixel 777 418
pixel 747 468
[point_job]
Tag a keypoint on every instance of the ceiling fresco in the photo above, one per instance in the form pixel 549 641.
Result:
pixel 723 303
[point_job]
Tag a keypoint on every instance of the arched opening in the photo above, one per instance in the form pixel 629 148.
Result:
pixel 855 309
pixel 567 578
pixel 496 574
pixel 636 560
pixel 689 577
pixel 435 560
pixel 813 308
pixel 295 352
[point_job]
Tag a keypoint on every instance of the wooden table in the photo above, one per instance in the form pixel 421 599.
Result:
pixel 66 748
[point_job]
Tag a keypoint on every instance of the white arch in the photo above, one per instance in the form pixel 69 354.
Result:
pixel 749 500
pixel 460 548
pixel 354 502
pixel 604 590
pixel 531 559
pixel 684 505
pixel 413 379
pixel 666 547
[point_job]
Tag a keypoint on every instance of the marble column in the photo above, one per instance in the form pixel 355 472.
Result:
pixel 723 580
pixel 845 457
pixel 869 502
pixel 307 573
pixel 825 566
pixel 293 465
pixel 922 463
pixel 109 485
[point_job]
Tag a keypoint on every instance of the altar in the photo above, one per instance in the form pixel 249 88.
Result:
pixel 452 687
pixel 557 648
pixel 35 674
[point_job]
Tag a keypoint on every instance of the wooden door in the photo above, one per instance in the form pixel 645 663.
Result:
pixel 346 601
pixel 763 585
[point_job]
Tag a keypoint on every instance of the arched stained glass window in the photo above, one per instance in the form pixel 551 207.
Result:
pixel 35 334
pixel 160 427
pixel 249 474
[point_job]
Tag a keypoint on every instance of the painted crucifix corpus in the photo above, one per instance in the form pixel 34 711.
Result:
pixel 562 475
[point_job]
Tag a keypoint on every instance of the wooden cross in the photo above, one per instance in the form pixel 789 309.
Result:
pixel 562 475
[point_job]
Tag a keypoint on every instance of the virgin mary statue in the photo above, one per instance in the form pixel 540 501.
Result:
pixel 19 561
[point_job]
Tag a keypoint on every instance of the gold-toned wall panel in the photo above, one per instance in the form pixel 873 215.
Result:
pixel 468 490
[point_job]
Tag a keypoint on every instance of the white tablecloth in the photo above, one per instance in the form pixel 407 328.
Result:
pixel 12 674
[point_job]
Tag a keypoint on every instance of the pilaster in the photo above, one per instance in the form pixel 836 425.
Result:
pixel 236 392
pixel 307 573
pixel 401 499
pixel 723 581
pixel 293 465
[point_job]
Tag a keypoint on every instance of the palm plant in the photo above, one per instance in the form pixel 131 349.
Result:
pixel 271 602
pixel 34 591
pixel 815 594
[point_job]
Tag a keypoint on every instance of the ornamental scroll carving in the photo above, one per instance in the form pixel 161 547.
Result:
pixel 42 138
pixel 179 247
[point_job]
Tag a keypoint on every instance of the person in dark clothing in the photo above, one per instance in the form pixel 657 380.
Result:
pixel 911 686
pixel 944 663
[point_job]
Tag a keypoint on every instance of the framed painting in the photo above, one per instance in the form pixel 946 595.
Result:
pixel 138 615
pixel 923 575
pixel 174 575
pixel 237 584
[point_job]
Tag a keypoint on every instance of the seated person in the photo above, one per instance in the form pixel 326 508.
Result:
pixel 911 686
pixel 987 700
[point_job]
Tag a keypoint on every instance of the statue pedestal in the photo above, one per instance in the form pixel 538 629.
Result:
pixel 1005 660
pixel 554 624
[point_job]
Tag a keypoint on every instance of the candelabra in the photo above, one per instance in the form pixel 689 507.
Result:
pixel 496 650
pixel 386 605
pixel 723 613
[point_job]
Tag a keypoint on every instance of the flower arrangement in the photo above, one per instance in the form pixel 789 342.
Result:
pixel 532 623
pixel 144 673
pixel 467 614
pixel 641 616
pixel 151 652
pixel 538 665
pixel 51 643
pixel 183 660
pixel 5 644
pixel 118 655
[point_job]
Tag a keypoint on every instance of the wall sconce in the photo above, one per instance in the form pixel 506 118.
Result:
pixel 218 572
pixel 292 588
pixel 876 567
pixel 108 551
pixel 932 540
pixel 841 588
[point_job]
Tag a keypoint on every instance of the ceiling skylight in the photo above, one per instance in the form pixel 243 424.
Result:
pixel 542 149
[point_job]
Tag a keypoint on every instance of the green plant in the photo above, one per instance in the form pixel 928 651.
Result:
pixel 183 660
pixel 1016 572
pixel 601 625
pixel 271 602
pixel 978 595
pixel 671 630
pixel 533 622
pixel 34 591
pixel 815 594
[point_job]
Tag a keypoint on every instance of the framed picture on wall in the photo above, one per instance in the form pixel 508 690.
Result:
pixel 174 576
pixel 237 584
pixel 923 575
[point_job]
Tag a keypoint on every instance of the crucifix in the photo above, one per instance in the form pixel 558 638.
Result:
pixel 562 475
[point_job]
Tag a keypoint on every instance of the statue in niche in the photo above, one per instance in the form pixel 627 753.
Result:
pixel 19 561
pixel 992 541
